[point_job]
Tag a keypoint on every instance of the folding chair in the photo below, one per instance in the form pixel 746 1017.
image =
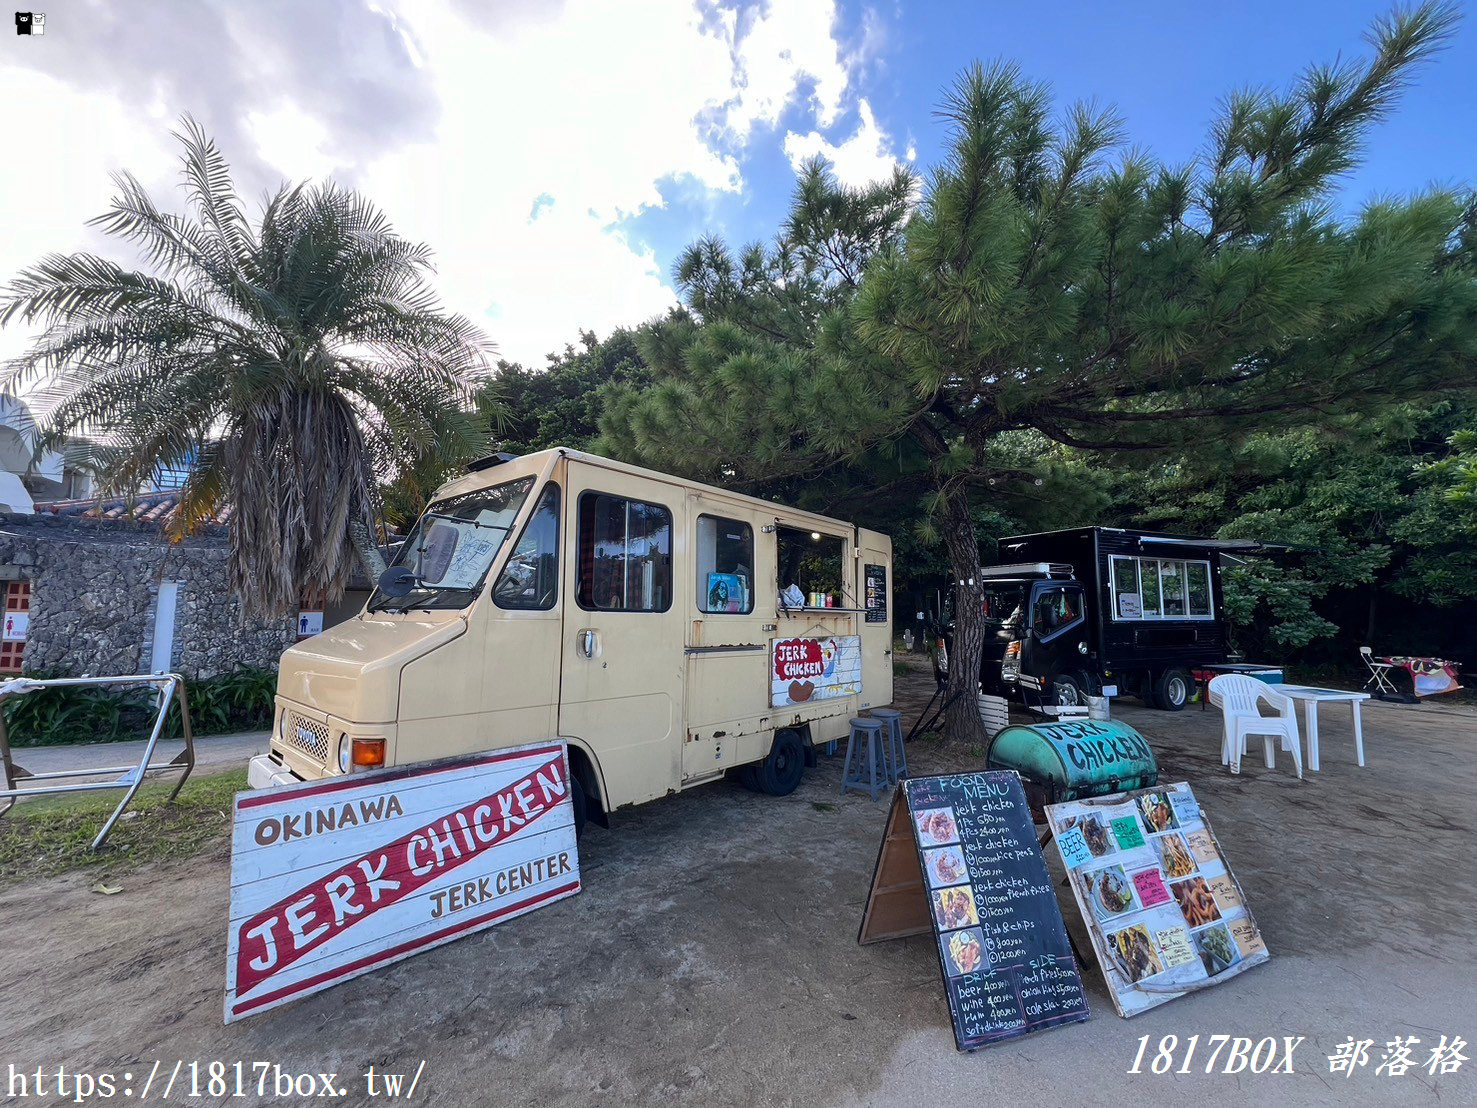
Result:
pixel 1379 674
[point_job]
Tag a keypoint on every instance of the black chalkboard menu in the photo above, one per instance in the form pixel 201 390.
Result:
pixel 875 581
pixel 960 859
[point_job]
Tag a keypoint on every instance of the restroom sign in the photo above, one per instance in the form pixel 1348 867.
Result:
pixel 16 624
pixel 332 879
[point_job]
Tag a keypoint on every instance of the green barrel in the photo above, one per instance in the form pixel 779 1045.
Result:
pixel 1076 759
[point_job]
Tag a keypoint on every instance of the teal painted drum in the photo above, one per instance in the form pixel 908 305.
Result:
pixel 1072 760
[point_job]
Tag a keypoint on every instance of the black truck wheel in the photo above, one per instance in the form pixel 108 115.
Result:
pixel 1075 689
pixel 1172 689
pixel 779 773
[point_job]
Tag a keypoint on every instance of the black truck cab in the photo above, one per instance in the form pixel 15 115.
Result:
pixel 1101 610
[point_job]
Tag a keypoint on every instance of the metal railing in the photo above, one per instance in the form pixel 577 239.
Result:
pixel 170 686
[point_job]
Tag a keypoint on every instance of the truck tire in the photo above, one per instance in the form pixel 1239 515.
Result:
pixel 1172 689
pixel 1079 685
pixel 779 773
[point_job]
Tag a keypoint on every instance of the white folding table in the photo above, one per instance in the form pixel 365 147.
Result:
pixel 1312 698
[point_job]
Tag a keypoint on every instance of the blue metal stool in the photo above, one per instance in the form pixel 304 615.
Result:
pixel 897 755
pixel 869 733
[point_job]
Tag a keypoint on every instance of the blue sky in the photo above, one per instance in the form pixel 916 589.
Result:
pixel 1164 65
pixel 557 155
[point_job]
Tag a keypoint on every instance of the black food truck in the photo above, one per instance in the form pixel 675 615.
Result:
pixel 1101 610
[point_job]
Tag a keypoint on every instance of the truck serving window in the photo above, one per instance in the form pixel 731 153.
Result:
pixel 453 546
pixel 811 561
pixel 725 565
pixel 530 579
pixel 1161 588
pixel 625 555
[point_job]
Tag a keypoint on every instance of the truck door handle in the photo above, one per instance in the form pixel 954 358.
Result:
pixel 588 641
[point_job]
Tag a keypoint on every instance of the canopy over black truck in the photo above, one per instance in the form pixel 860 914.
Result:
pixel 1102 608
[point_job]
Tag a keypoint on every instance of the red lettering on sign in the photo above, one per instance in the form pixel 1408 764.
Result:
pixel 298 924
pixel 798 658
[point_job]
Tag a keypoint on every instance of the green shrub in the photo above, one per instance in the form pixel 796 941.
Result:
pixel 238 701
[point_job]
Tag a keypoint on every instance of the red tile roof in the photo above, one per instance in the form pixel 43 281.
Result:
pixel 153 507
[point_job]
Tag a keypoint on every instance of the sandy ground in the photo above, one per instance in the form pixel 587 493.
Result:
pixel 712 957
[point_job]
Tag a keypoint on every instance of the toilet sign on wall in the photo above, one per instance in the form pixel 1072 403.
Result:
pixel 331 879
pixel 15 626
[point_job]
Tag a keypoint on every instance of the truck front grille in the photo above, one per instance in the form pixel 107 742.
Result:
pixel 308 736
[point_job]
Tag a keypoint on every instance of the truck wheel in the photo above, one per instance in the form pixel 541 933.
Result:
pixel 779 773
pixel 1172 689
pixel 1074 690
pixel 577 801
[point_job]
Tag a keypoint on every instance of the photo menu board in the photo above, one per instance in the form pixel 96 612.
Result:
pixel 1165 913
pixel 1002 945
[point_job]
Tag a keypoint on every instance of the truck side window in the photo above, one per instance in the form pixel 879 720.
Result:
pixel 725 565
pixel 625 555
pixel 530 580
pixel 1054 610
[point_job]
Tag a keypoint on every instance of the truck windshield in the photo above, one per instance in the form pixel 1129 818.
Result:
pixel 1004 606
pixel 454 545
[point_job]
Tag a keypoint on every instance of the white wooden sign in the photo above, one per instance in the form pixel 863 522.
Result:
pixel 331 879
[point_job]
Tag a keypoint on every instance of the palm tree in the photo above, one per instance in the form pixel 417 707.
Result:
pixel 289 366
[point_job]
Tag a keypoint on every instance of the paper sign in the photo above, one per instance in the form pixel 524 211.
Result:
pixel 1126 831
pixel 1202 846
pixel 334 878
pixel 1248 938
pixel 1150 887
pixel 1130 606
pixel 1074 848
pixel 1225 892
pixel 1174 944
pixel 1186 810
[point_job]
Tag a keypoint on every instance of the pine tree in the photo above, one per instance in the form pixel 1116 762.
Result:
pixel 1051 285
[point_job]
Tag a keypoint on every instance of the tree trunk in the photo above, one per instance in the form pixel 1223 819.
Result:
pixel 962 720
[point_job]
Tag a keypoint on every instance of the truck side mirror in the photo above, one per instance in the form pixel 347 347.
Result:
pixel 396 581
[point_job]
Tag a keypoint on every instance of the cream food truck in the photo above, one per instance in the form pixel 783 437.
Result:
pixel 669 632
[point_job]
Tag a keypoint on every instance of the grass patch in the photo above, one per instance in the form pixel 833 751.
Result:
pixel 51 835
pixel 822 806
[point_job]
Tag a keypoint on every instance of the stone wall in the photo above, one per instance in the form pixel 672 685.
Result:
pixel 95 589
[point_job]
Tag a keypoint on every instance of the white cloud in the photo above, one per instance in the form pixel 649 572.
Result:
pixel 516 146
pixel 859 160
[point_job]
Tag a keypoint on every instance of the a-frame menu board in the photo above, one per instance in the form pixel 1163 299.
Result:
pixel 959 858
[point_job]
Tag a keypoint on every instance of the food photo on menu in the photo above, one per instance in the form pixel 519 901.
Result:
pixel 964 952
pixel 936 827
pixel 955 907
pixel 945 866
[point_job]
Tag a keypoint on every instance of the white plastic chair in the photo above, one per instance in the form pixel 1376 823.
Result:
pixel 1237 696
pixel 1379 674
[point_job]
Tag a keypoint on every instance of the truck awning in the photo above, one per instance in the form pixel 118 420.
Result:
pixel 1230 546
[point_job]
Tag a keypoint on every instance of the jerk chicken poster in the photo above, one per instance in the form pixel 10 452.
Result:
pixel 802 670
pixel 1165 913
pixel 333 878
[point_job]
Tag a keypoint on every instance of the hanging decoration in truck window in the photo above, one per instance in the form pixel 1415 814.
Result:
pixel 875 578
pixel 802 670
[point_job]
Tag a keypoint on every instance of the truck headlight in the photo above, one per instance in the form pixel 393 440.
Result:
pixel 345 753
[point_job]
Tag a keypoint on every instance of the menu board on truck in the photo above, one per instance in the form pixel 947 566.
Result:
pixel 959 858
pixel 1165 913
